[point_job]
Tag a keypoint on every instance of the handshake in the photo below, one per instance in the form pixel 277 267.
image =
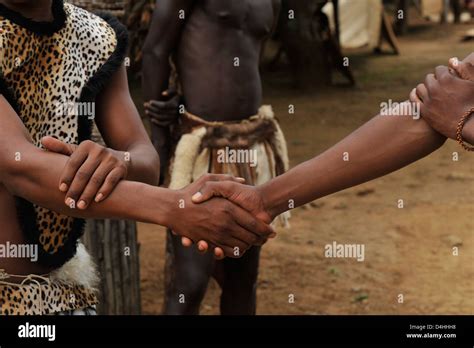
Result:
pixel 219 212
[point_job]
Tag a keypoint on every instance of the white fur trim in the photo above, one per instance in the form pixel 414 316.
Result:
pixel 80 270
pixel 278 141
pixel 186 153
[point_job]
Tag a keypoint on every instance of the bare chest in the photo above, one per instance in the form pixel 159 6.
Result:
pixel 255 17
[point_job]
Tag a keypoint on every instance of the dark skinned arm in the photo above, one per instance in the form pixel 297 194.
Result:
pixel 122 129
pixel 32 173
pixel 93 171
pixel 379 147
pixel 162 39
pixel 276 4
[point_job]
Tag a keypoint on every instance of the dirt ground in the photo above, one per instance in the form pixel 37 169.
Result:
pixel 407 251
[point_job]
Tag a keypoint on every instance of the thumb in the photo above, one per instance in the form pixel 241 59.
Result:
pixel 464 70
pixel 58 146
pixel 212 189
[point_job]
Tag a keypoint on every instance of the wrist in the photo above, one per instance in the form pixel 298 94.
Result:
pixel 269 199
pixel 165 203
pixel 468 131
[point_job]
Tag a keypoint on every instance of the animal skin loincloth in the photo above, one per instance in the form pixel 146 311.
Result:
pixel 254 149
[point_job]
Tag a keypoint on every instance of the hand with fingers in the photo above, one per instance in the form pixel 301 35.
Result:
pixel 164 113
pixel 446 96
pixel 91 173
pixel 244 196
pixel 224 225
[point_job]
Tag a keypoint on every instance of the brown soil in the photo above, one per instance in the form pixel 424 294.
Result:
pixel 408 251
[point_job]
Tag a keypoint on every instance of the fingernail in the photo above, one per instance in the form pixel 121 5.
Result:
pixel 63 187
pixel 82 204
pixel 201 247
pixel 197 196
pixel 241 179
pixel 99 197
pixel 70 202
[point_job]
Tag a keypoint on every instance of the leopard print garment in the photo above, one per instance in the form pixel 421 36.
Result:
pixel 44 68
pixel 49 72
pixel 44 298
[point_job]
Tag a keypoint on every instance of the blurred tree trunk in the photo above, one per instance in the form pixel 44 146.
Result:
pixel 303 44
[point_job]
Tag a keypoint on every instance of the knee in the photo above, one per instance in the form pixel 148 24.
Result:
pixel 187 292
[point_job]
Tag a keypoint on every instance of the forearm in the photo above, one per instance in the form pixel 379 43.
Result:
pixel 156 71
pixel 36 176
pixel 142 164
pixel 381 146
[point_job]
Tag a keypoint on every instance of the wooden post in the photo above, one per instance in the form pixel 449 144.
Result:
pixel 114 247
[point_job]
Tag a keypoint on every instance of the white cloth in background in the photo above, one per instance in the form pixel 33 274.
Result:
pixel 360 22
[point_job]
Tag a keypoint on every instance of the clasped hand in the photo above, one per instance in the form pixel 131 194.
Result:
pixel 236 214
pixel 216 211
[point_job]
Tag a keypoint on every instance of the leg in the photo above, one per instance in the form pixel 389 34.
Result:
pixel 239 288
pixel 187 274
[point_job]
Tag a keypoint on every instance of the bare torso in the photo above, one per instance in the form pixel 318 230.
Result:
pixel 10 232
pixel 9 227
pixel 218 57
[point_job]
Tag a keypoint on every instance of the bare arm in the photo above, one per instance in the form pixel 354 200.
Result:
pixel 161 41
pixel 93 171
pixel 381 146
pixel 122 129
pixel 31 173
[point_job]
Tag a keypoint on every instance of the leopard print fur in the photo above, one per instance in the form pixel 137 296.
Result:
pixel 46 72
